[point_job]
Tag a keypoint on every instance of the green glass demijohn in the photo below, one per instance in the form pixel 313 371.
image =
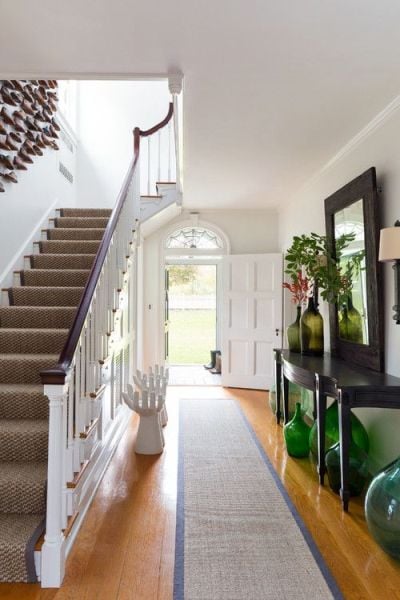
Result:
pixel 350 324
pixel 312 330
pixel 358 468
pixel 356 329
pixel 382 508
pixel 293 333
pixel 296 434
pixel 358 432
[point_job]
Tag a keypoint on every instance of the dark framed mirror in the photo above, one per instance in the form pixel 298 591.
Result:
pixel 356 328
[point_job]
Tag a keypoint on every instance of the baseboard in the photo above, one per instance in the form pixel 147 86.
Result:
pixel 17 261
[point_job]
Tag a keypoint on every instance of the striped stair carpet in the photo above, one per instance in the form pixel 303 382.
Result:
pixel 33 330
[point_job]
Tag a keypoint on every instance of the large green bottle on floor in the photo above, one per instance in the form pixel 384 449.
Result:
pixel 358 468
pixel 358 432
pixel 296 434
pixel 382 508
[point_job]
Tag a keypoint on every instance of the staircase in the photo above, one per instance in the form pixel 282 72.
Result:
pixel 33 330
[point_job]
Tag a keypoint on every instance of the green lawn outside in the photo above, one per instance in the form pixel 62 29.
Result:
pixel 191 336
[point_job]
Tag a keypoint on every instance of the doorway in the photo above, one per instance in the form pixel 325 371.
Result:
pixel 191 322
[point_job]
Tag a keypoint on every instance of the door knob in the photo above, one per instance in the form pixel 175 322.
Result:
pixel 276 331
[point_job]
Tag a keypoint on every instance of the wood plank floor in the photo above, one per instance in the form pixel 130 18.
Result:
pixel 125 549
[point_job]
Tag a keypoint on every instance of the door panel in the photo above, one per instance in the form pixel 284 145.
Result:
pixel 252 319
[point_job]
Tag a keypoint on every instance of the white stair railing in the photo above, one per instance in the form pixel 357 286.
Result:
pixel 87 415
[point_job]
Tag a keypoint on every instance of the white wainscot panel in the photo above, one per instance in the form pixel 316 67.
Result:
pixel 239 313
pixel 264 275
pixel 239 277
pixel 263 363
pixel 238 357
pixel 264 315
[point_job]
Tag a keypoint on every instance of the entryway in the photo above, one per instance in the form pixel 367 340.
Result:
pixel 191 322
pixel 193 253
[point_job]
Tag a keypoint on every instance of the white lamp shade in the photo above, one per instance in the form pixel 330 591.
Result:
pixel 389 245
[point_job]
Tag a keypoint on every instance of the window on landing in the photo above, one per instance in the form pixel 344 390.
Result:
pixel 194 237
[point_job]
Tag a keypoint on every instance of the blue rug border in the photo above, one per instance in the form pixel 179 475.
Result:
pixel 179 569
pixel 319 559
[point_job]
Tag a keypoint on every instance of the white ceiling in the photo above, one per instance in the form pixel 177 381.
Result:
pixel 273 89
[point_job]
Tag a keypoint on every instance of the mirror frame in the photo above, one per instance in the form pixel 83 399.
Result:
pixel 363 188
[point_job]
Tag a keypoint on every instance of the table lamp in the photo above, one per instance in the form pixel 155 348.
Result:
pixel 389 250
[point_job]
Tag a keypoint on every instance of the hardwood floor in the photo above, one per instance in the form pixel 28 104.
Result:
pixel 125 549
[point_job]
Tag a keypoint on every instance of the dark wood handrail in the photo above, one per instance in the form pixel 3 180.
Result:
pixel 56 375
pixel 163 123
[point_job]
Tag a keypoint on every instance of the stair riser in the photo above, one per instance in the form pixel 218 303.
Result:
pixel 23 447
pixel 75 234
pixel 54 261
pixel 54 277
pixel 85 212
pixel 23 406
pixel 69 247
pixel 78 223
pixel 21 370
pixel 25 296
pixel 15 497
pixel 31 317
pixel 31 342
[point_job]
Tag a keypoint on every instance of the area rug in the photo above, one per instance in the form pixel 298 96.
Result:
pixel 238 535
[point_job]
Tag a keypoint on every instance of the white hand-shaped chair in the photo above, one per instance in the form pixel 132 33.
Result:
pixel 150 439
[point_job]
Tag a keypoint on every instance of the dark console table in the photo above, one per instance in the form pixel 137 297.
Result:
pixel 352 386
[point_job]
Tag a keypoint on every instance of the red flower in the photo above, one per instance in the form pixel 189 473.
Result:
pixel 299 288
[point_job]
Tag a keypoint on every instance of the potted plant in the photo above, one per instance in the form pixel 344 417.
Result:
pixel 328 276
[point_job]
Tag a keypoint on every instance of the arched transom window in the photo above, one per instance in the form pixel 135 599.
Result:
pixel 194 237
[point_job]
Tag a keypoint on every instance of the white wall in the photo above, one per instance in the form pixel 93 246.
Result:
pixel 107 112
pixel 306 213
pixel 251 231
pixel 25 204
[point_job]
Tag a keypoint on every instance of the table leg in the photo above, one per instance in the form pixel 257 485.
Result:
pixel 321 410
pixel 285 399
pixel 344 433
pixel 278 379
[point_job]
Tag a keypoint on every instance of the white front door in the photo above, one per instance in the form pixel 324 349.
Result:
pixel 251 319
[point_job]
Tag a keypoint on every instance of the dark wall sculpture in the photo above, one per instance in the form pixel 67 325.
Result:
pixel 27 124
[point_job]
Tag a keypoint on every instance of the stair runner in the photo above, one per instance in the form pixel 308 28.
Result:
pixel 33 330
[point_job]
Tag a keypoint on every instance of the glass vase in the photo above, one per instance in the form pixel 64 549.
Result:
pixel 350 324
pixel 296 434
pixel 293 333
pixel 358 431
pixel 358 468
pixel 312 330
pixel 382 508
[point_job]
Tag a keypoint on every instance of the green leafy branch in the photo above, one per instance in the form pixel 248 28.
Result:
pixel 334 276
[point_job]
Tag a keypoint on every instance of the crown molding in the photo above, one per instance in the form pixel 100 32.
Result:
pixel 380 119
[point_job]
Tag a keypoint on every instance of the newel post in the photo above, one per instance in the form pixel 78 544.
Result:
pixel 53 553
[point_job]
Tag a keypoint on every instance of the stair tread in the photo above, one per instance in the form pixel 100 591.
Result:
pixel 58 255
pixel 31 388
pixel 23 471
pixel 37 308
pixel 34 330
pixel 54 270
pixel 38 357
pixel 16 426
pixel 44 287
